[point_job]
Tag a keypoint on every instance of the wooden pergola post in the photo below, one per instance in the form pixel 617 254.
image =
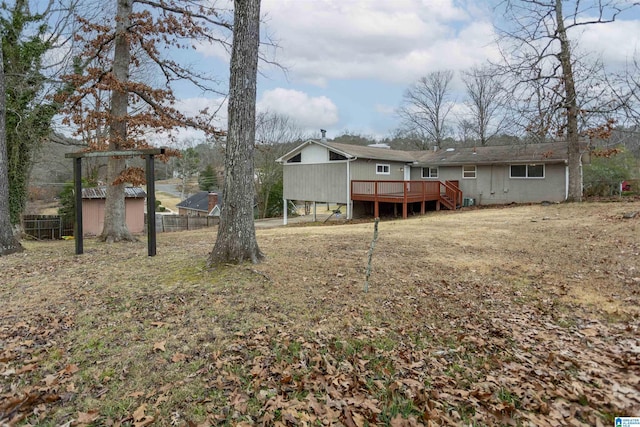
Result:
pixel 148 154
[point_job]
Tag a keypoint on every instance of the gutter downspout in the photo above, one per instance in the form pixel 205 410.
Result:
pixel 349 202
pixel 284 218
pixel 566 181
pixel 349 190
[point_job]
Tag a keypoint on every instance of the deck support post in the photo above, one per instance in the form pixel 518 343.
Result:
pixel 285 212
pixel 315 218
pixel 404 201
pixel 376 209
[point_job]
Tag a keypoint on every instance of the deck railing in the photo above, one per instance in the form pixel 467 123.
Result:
pixel 447 192
pixel 452 192
pixel 395 188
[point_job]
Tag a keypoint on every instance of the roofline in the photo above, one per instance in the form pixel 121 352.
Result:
pixel 497 162
pixel 349 156
pixel 191 209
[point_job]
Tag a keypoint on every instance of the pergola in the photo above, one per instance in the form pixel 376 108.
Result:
pixel 148 154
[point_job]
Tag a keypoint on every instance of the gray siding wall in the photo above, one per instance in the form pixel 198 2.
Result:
pixel 366 170
pixel 323 182
pixel 493 185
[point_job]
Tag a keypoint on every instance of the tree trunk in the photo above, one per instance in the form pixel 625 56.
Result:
pixel 571 107
pixel 115 225
pixel 236 241
pixel 8 242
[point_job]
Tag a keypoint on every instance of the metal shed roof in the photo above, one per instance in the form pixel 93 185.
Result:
pixel 101 193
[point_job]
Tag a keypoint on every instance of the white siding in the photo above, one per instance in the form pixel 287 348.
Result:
pixel 316 182
pixel 313 153
pixel 493 185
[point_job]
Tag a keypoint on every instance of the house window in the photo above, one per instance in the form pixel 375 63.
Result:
pixel 383 169
pixel 335 156
pixel 295 159
pixel 429 172
pixel 527 171
pixel 469 171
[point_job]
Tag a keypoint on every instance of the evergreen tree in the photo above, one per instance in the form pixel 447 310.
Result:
pixel 208 181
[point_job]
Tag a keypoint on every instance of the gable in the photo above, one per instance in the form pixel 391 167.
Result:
pixel 314 152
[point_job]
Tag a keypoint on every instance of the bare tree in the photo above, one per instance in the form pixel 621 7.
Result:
pixel 236 241
pixel 425 107
pixel 627 92
pixel 274 135
pixel 187 166
pixel 537 50
pixel 486 99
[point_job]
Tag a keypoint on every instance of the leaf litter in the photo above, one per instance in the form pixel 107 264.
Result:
pixel 480 317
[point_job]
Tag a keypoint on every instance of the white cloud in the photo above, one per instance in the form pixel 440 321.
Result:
pixel 191 107
pixel 384 109
pixel 396 41
pixel 308 112
pixel 615 42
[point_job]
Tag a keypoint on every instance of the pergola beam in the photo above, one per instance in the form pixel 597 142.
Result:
pixel 120 153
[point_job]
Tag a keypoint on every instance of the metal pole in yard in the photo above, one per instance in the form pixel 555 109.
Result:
pixel 77 183
pixel 373 245
pixel 151 207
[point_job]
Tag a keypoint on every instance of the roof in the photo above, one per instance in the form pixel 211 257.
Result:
pixel 352 152
pixel 101 193
pixel 375 153
pixel 550 152
pixel 198 202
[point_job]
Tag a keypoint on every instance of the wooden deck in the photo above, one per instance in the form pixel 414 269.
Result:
pixel 445 194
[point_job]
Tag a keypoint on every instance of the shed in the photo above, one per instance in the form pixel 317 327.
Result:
pixel 93 203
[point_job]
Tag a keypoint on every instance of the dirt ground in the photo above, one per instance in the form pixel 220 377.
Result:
pixel 524 315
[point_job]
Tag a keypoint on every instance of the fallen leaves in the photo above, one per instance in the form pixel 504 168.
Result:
pixel 140 419
pixel 159 346
pixel 455 338
pixel 86 418
pixel 32 390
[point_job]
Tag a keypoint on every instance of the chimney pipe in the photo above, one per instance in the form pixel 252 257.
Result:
pixel 324 135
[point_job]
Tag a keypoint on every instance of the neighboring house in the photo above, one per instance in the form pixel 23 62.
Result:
pixel 200 204
pixel 93 202
pixel 369 180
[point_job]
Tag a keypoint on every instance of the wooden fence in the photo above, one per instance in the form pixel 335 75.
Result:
pixel 168 223
pixel 51 227
pixel 43 227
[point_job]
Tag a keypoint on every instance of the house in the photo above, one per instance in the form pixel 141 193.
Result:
pixel 93 203
pixel 370 180
pixel 200 204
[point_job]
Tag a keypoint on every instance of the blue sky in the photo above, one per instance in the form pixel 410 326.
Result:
pixel 349 61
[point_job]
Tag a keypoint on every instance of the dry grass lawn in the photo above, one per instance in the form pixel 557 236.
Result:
pixel 525 315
